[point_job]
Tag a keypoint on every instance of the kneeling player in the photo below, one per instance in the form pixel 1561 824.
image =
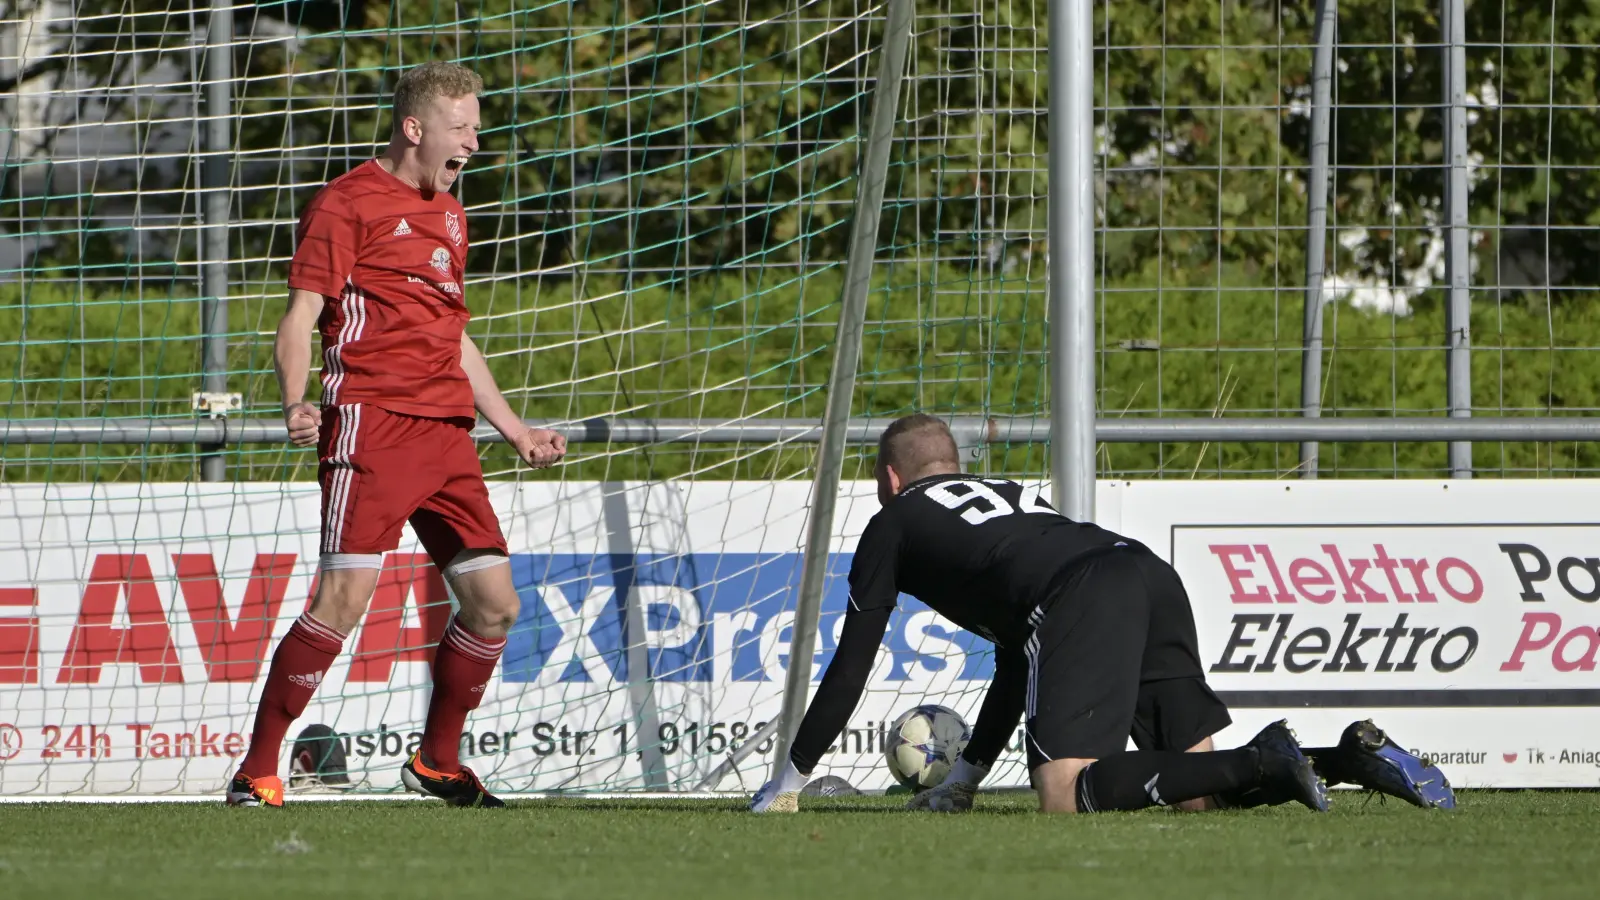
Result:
pixel 1095 642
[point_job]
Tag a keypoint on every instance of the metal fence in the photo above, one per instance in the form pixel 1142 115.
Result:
pixel 1357 209
pixel 1351 211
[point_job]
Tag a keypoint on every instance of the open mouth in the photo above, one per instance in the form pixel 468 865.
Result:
pixel 456 163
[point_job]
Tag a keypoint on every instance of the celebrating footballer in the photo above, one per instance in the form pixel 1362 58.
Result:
pixel 378 271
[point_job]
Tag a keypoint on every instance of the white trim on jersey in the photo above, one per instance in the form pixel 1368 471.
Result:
pixel 343 448
pixel 353 307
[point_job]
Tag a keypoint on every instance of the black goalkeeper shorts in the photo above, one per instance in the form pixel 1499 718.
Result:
pixel 1114 655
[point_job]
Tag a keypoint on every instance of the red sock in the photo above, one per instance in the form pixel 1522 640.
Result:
pixel 302 658
pixel 461 670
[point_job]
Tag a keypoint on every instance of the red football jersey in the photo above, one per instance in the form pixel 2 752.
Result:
pixel 388 260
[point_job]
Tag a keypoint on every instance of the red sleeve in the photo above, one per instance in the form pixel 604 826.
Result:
pixel 327 240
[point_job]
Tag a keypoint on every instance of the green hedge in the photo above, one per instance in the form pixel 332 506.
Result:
pixel 721 347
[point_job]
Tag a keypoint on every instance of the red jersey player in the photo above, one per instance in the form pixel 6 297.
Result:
pixel 378 271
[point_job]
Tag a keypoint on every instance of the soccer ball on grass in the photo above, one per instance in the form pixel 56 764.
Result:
pixel 923 744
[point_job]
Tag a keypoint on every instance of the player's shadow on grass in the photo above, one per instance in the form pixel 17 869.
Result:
pixel 739 806
pixel 580 805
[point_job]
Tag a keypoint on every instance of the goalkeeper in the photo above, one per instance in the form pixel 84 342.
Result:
pixel 1094 643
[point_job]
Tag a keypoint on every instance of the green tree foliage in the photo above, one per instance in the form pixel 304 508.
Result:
pixel 685 136
pixel 665 192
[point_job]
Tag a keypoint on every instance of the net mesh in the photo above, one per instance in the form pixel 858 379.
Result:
pixel 658 221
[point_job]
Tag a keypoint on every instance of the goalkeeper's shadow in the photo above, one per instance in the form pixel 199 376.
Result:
pixel 700 806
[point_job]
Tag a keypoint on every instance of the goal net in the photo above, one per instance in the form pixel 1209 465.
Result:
pixel 658 220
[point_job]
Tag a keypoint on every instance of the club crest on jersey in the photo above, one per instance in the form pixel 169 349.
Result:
pixel 452 224
pixel 441 260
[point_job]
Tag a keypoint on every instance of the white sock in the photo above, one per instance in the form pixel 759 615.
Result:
pixel 964 772
pixel 789 779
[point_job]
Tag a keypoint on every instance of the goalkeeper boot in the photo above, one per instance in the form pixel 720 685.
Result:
pixel 266 790
pixel 460 789
pixel 949 797
pixel 1284 770
pixel 770 800
pixel 1368 757
pixel 1250 798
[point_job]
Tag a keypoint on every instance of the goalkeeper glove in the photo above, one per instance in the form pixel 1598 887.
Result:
pixel 781 794
pixel 954 794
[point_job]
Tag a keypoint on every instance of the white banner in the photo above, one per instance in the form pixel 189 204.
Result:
pixel 136 621
pixel 1461 616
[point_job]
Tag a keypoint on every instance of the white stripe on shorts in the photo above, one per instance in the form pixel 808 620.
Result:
pixel 344 447
pixel 1031 651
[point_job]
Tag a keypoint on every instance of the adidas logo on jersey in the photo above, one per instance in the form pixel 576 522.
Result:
pixel 310 680
pixel 402 229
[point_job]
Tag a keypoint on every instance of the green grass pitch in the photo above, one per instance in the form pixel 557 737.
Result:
pixel 1521 844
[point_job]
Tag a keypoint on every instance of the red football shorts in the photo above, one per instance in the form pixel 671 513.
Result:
pixel 381 469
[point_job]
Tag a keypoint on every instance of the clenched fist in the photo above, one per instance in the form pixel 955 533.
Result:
pixel 302 420
pixel 540 448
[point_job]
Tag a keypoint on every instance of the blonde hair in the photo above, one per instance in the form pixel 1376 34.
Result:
pixel 428 82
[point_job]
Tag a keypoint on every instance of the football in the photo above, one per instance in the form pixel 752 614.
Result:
pixel 923 743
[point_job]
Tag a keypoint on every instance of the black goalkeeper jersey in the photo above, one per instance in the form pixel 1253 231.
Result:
pixel 982 552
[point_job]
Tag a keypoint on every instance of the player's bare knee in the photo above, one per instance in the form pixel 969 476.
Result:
pixel 344 588
pixel 481 580
pixel 1057 784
